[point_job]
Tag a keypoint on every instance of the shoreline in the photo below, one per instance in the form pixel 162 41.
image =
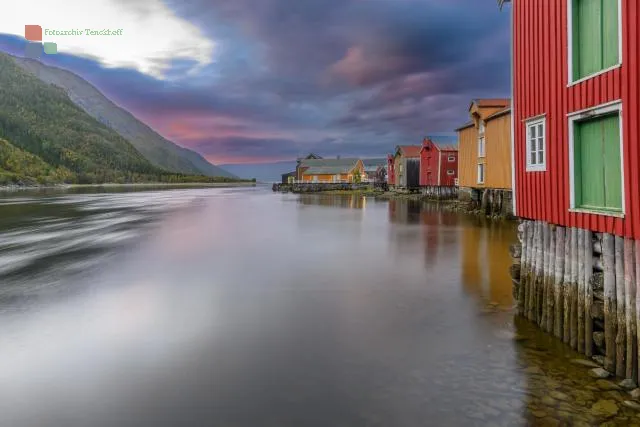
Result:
pixel 128 185
pixel 450 205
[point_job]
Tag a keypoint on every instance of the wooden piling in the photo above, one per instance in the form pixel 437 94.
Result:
pixel 558 293
pixel 580 286
pixel 523 230
pixel 539 273
pixel 544 309
pixel 609 301
pixel 551 274
pixel 531 282
pixel 621 336
pixel 630 308
pixel 566 289
pixel 588 295
pixel 537 265
pixel 574 290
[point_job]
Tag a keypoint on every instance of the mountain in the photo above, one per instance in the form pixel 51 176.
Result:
pixel 264 172
pixel 155 148
pixel 48 138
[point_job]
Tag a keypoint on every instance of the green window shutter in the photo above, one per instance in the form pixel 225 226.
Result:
pixel 610 34
pixel 587 37
pixel 612 167
pixel 597 168
pixel 589 165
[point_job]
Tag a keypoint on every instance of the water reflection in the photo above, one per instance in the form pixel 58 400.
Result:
pixel 247 308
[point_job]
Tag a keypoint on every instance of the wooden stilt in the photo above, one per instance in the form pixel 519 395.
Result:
pixel 540 275
pixel 574 290
pixel 630 308
pixel 588 295
pixel 580 286
pixel 523 267
pixel 609 301
pixel 621 335
pixel 558 293
pixel 535 272
pixel 566 289
pixel 531 285
pixel 551 274
pixel 546 239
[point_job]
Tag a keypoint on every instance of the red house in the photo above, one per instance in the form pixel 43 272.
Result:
pixel 391 170
pixel 576 110
pixel 576 171
pixel 439 161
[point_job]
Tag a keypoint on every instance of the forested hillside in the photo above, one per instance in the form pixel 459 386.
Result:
pixel 48 138
pixel 155 148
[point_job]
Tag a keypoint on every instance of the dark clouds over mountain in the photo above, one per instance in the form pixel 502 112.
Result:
pixel 350 77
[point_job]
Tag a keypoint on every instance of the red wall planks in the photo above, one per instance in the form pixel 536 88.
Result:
pixel 541 87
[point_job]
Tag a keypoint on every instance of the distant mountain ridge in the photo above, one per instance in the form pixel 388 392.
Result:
pixel 46 138
pixel 158 150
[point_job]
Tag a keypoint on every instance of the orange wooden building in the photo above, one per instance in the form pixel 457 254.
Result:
pixel 485 153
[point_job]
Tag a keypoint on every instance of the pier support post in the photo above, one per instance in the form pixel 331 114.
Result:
pixel 581 290
pixel 546 241
pixel 566 289
pixel 574 290
pixel 609 301
pixel 558 292
pixel 551 275
pixel 588 295
pixel 621 336
pixel 630 308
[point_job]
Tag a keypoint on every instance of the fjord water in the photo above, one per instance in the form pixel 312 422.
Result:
pixel 240 307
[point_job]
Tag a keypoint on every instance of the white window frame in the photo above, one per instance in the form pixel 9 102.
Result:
pixel 484 172
pixel 570 80
pixel 451 158
pixel 482 146
pixel 534 123
pixel 594 113
pixel 451 172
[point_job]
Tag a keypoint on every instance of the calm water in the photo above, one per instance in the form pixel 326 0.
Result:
pixel 240 307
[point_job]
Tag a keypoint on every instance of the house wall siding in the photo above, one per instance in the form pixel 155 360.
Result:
pixel 498 153
pixel 541 87
pixel 468 157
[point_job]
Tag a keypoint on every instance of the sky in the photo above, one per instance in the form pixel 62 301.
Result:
pixel 258 81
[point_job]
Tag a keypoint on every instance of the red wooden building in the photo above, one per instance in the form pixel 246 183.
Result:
pixel 439 161
pixel 576 113
pixel 391 170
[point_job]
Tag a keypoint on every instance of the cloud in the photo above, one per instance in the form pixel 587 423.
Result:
pixel 152 38
pixel 348 77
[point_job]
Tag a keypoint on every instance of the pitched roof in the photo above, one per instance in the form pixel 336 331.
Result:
pixel 464 126
pixel 409 150
pixel 498 114
pixel 328 166
pixel 444 142
pixel 492 102
pixel 349 161
pixel 373 164
pixel 309 157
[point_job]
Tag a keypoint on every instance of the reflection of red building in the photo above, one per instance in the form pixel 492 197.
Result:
pixel 391 170
pixel 439 161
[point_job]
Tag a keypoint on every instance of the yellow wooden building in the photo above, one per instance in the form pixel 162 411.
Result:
pixel 485 150
pixel 331 170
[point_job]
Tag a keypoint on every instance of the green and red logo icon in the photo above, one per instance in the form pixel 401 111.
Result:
pixel 35 47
